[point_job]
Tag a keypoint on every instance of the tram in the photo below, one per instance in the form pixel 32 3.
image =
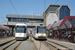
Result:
pixel 39 32
pixel 21 31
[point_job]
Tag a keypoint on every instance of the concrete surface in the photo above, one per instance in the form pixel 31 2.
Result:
pixel 41 46
pixel 27 45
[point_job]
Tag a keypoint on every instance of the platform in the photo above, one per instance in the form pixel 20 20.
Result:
pixel 63 43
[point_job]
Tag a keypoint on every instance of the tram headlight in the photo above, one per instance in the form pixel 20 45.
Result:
pixel 44 34
pixel 36 35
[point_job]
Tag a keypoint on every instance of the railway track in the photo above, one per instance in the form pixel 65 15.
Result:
pixel 14 45
pixel 54 46
pixel 11 45
pixel 17 46
pixel 46 45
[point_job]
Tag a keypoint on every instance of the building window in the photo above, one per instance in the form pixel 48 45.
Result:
pixel 14 19
pixel 21 20
pixel 27 20
pixel 9 19
pixel 17 20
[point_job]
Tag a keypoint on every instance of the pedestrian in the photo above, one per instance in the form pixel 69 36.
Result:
pixel 50 35
pixel 0 34
pixel 56 35
pixel 3 33
pixel 69 35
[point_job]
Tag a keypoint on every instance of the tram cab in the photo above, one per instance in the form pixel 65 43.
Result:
pixel 40 32
pixel 21 31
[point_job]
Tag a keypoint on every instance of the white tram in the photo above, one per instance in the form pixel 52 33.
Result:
pixel 21 31
pixel 39 32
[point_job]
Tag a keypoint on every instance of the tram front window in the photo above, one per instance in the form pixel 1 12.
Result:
pixel 41 30
pixel 20 29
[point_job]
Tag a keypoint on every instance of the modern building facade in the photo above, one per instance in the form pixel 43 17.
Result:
pixel 55 13
pixel 28 19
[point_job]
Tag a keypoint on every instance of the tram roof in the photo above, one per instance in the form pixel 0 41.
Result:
pixel 21 24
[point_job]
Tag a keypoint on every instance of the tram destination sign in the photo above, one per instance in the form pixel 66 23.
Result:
pixel 20 26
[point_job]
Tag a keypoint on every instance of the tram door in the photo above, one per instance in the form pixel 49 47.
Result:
pixel 74 34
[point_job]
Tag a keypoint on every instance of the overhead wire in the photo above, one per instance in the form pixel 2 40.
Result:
pixel 56 1
pixel 44 4
pixel 13 7
pixel 2 18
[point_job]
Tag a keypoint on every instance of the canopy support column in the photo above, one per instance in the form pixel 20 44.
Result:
pixel 72 33
pixel 59 33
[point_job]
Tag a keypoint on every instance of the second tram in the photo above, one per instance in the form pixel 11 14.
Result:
pixel 39 32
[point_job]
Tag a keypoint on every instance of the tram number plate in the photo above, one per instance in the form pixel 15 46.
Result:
pixel 42 34
pixel 19 35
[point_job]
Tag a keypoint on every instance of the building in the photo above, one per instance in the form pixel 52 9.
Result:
pixel 55 13
pixel 30 20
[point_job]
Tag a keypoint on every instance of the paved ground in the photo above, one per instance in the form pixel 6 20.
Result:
pixel 40 45
pixel 2 40
pixel 27 45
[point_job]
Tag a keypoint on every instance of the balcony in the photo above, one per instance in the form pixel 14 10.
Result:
pixel 14 23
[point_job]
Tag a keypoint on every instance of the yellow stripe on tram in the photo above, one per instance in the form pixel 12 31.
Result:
pixel 19 35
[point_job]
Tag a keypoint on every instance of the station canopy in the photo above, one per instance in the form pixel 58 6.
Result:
pixel 64 23
pixel 51 25
pixel 4 27
pixel 48 27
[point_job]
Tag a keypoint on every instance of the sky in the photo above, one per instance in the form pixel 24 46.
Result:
pixel 30 7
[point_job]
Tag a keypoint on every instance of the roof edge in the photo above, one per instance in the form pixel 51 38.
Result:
pixel 49 6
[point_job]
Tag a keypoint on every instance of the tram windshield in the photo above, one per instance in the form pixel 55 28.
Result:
pixel 20 29
pixel 41 30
